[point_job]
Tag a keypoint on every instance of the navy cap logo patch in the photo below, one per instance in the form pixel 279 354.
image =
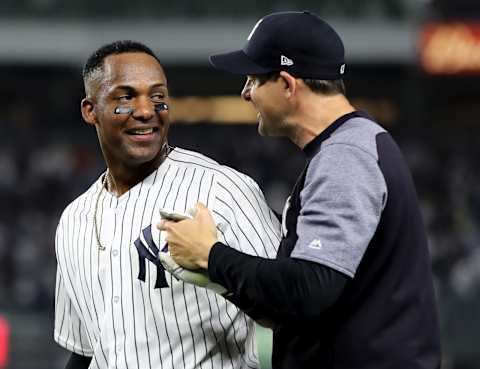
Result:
pixel 342 69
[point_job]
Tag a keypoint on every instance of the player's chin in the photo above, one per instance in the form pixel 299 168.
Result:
pixel 265 129
pixel 140 154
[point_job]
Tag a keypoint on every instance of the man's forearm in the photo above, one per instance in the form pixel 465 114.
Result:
pixel 280 289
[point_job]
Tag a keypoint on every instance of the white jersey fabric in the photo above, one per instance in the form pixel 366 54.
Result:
pixel 123 309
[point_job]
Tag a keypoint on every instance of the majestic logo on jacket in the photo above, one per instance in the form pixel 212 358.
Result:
pixel 150 252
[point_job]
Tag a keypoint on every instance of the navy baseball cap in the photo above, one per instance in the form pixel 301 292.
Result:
pixel 297 42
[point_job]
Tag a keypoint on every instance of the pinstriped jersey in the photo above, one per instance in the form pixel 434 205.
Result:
pixel 120 307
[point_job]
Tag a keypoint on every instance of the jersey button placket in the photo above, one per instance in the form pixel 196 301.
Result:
pixel 116 275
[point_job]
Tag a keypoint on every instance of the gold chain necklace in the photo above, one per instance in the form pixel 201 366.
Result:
pixel 105 182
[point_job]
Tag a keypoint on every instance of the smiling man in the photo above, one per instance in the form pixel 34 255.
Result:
pixel 115 306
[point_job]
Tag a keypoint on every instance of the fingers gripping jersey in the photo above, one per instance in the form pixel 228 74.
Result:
pixel 120 307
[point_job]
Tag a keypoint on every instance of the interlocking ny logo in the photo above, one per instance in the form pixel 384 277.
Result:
pixel 150 253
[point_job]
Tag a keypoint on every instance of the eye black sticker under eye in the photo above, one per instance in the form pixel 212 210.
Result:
pixel 129 110
pixel 123 110
pixel 161 107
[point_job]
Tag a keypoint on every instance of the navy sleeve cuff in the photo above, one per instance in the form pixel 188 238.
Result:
pixel 279 290
pixel 218 252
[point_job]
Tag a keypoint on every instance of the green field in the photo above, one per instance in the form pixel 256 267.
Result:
pixel 264 344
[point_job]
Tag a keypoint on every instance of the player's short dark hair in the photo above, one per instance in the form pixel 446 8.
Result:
pixel 95 60
pixel 264 78
pixel 323 86
pixel 326 87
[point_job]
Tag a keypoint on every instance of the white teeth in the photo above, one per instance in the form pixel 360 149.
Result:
pixel 142 131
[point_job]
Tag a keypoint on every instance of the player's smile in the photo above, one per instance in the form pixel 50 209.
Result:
pixel 142 134
pixel 142 137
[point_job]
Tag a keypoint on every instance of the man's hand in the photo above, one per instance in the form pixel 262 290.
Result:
pixel 189 241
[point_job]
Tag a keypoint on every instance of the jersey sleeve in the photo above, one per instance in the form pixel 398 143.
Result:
pixel 244 220
pixel 69 330
pixel 341 203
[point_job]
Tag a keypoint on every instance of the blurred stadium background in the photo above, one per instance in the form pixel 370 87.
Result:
pixel 413 64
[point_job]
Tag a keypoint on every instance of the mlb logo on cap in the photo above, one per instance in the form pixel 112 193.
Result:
pixel 298 42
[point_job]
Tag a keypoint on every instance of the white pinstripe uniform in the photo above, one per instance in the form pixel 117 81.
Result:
pixel 103 307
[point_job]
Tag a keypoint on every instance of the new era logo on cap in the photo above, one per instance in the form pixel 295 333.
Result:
pixel 285 61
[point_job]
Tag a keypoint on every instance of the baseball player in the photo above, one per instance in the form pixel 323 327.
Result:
pixel 115 305
pixel 351 286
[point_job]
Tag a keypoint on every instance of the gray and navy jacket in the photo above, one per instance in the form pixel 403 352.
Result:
pixel 351 286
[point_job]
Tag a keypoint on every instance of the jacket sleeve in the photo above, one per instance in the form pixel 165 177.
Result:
pixel 276 290
pixel 78 362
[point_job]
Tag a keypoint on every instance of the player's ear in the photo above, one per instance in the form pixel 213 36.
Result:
pixel 88 111
pixel 290 84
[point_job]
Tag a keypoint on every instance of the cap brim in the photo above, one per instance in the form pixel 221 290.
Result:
pixel 237 62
